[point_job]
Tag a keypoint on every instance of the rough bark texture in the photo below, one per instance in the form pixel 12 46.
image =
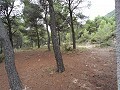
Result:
pixel 72 27
pixel 0 47
pixel 9 29
pixel 56 47
pixel 117 12
pixel 13 78
pixel 59 37
pixel 46 21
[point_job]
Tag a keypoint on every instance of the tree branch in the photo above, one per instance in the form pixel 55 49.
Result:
pixel 77 5
pixel 14 32
pixel 11 8
pixel 4 21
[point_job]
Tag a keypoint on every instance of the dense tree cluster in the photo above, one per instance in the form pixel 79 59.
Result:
pixel 98 31
pixel 51 23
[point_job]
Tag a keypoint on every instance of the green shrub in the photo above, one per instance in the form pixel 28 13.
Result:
pixel 106 43
pixel 67 47
pixel 85 37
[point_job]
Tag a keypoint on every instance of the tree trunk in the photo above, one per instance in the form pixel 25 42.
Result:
pixel 48 42
pixel 59 37
pixel 56 47
pixel 46 21
pixel 117 12
pixel 72 27
pixel 38 38
pixel 13 78
pixel 1 47
pixel 10 31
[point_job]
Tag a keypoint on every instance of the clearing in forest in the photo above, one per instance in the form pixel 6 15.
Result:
pixel 87 69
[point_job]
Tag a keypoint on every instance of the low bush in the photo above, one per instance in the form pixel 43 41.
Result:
pixel 67 47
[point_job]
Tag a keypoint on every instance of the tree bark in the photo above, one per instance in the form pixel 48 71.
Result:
pixel 48 42
pixel 59 38
pixel 117 12
pixel 38 38
pixel 1 47
pixel 13 78
pixel 9 29
pixel 72 27
pixel 46 21
pixel 56 47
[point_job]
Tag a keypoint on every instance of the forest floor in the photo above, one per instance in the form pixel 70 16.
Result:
pixel 86 69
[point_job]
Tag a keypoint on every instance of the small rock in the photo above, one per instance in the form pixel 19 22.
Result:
pixel 75 80
pixel 38 59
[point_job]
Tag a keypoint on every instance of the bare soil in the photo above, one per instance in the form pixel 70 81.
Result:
pixel 91 69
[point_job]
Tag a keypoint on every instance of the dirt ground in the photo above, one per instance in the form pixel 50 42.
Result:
pixel 93 69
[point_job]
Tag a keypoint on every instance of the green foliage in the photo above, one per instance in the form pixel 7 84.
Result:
pixel 99 31
pixel 67 47
pixel 35 31
pixel 90 26
pixel 25 27
pixel 61 12
pixel 103 34
pixel 32 13
pixel 84 37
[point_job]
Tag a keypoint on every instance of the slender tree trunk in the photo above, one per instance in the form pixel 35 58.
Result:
pixel 117 12
pixel 72 27
pixel 46 21
pixel 13 78
pixel 56 47
pixel 38 38
pixel 1 47
pixel 10 31
pixel 48 42
pixel 59 37
pixel 10 36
